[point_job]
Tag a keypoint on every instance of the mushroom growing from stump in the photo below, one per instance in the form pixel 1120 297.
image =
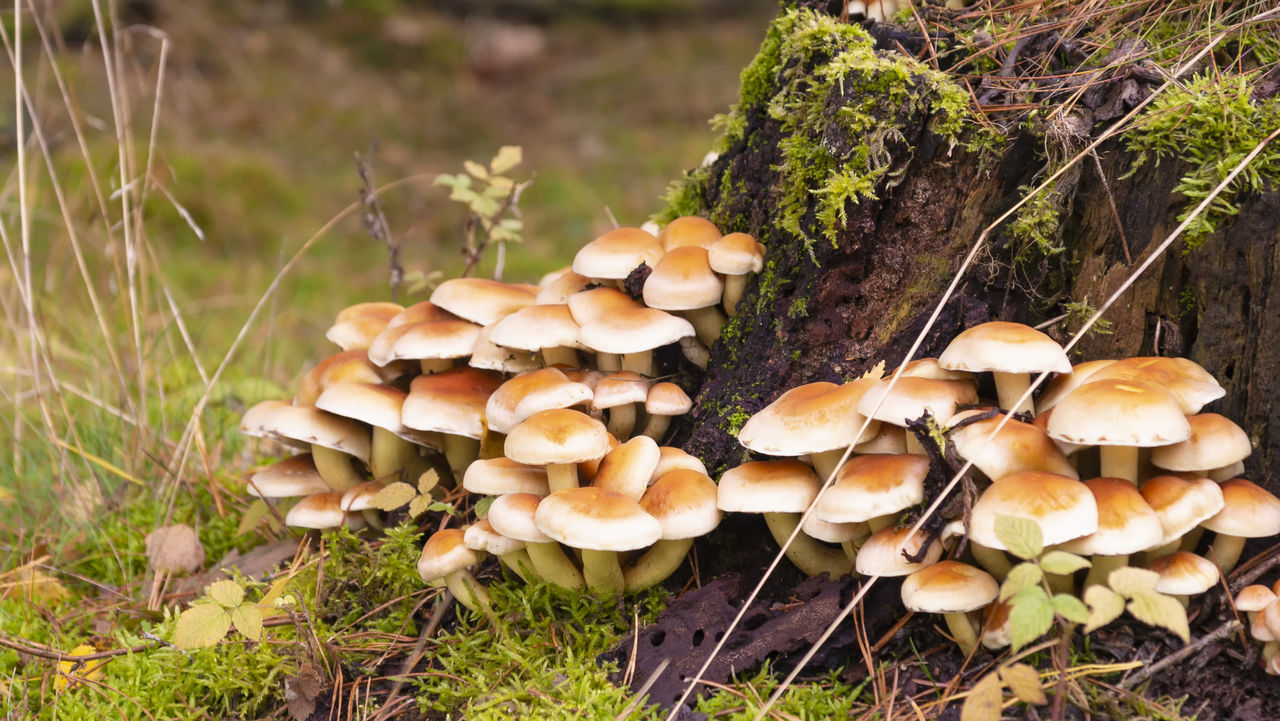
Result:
pixel 1062 507
pixel 1126 525
pixel 683 282
pixel 684 504
pixel 952 589
pixel 817 419
pixel 735 256
pixel 512 516
pixel 665 401
pixel 601 524
pixel 446 557
pixel 558 439
pixel 1012 352
pixel 1249 511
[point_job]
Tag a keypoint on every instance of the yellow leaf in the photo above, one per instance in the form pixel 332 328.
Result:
pixel 1021 537
pixel 1157 609
pixel 29 583
pixel 984 700
pixel 1129 580
pixel 475 169
pixel 69 671
pixel 875 373
pixel 253 515
pixel 1062 563
pixel 201 625
pixel 428 480
pixel 508 157
pixel 248 621
pixel 227 594
pixel 393 496
pixel 268 603
pixel 1024 682
pixel 1105 606
pixel 419 506
pixel 1030 616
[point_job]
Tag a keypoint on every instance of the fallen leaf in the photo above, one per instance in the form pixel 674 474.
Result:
pixel 175 548
pixel 984 700
pixel 1024 682
pixel 70 671
pixel 227 594
pixel 300 692
pixel 393 496
pixel 31 584
pixel 247 619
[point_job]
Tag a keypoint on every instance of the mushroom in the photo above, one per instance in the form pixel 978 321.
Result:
pixel 619 393
pixel 1012 352
pixel 512 515
pixel 683 281
pixel 626 468
pixel 912 397
pixel 391 454
pixel 1126 525
pixel 688 230
pixel 735 256
pixel 481 301
pixel 452 403
pixel 1249 511
pixel 558 439
pixel 817 419
pixel 684 504
pixel 320 511
pixel 355 326
pixel 665 401
pixel 1184 574
pixel 1016 447
pixel 446 557
pixel 874 489
pixel 480 536
pixel 1182 504
pixel 634 334
pixel 615 254
pixel 952 589
pixel 550 329
pixel 601 524
pixel 1062 507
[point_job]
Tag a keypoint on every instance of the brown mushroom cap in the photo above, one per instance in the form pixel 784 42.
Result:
pixel 667 399
pixel 1064 508
pixel 500 476
pixel 557 436
pixel 1215 442
pixel 1126 522
pixel 375 404
pixel 871 486
pixel 670 459
pixel 290 478
pixel 319 510
pixel 500 409
pixel 683 280
pixel 480 536
pixel 684 504
pixel 736 254
pixel 949 587
pixel 883 553
pixel 1006 348
pixel 444 553
pixel 355 326
pixel 911 397
pixel 688 230
pixel 596 519
pixel 634 331
pixel 768 487
pixel 615 254
pixel 512 515
pixel 452 401
pixel 627 467
pixel 1017 447
pixel 1119 413
pixel 1191 385
pixel 536 327
pixel 310 424
pixel 558 286
pixel 590 305
pixel 1058 388
pixel 488 355
pixel 618 389
pixel 811 418
pixel 1249 511
pixel 480 300
pixel 1182 504
pixel 350 365
pixel 1184 574
pixel 429 339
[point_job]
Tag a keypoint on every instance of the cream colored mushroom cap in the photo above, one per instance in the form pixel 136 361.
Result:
pixel 736 254
pixel 1181 503
pixel 557 289
pixel 949 587
pixel 480 536
pixel 876 485
pixel 615 254
pixel 256 421
pixel 512 515
pixel 536 327
pixel 684 503
pixel 627 467
pixel 688 230
pixel 1058 388
pixel 429 339
pixel 480 300
pixel 1249 511
pixel 634 331
pixel 1017 447
pixel 1215 441
pixel 356 326
pixel 488 355
pixel 1006 348
pixel 1126 522
pixel 882 554
pixel 620 388
pixel 350 365
pixel 683 280
pixel 451 401
pixel 1064 508
pixel 1191 386
pixel 445 552
pixel 596 519
pixel 768 487
pixel 1119 413
pixel 500 476
pixel 667 399
pixel 596 303
pixel 559 435
pixel 1254 597
pixel 912 396
pixel 811 418
pixel 310 424
pixel 1184 574
pixel 929 368
pixel 375 404
pixel 670 459
pixel 500 409
pixel 360 496
pixel 294 476
pixel 319 511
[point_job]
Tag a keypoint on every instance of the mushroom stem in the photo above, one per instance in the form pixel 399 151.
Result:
pixel 622 420
pixel 468 591
pixel 825 462
pixel 1009 387
pixel 602 572
pixel 881 522
pixel 657 563
pixel 695 352
pixel 562 476
pixel 1119 462
pixel 992 559
pixel 552 564
pixel 914 446
pixel 1226 551
pixel 806 552
pixel 1191 539
pixel 657 426
pixel 1102 568
pixel 373 518
pixel 431 366
pixel 336 468
pixel 460 451
pixel 706 322
pixel 962 630
pixel 492 444
pixel 608 362
pixel 390 456
pixel 560 355
pixel 641 363
pixel 1162 550
pixel 734 287
pixel 520 564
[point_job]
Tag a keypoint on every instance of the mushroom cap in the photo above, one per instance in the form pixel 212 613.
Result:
pixel 669 459
pixel 882 554
pixel 833 532
pixel 290 478
pixel 889 439
pixel 319 510
pixel 1255 597
pixel 349 365
pixel 1063 507
pixel 683 280
pixel 1119 413
pixel 480 536
pixel 355 326
pixel 667 399
pixel 421 312
pixel 596 519
pixel 562 395
pixel 360 496
pixel 559 285
pixel 619 389
pixel 257 420
pixel 1249 511
pixel 634 330
pixel 1068 448
pixel 480 300
pixel 1126 522
pixel 1005 348
pixel 558 435
pixel 1184 574
pixel 784 486
pixel 445 552
pixel 451 401
pixel 1215 441
pixel 1017 447
pixel 488 355
pixel 1182 504
pixel 627 467
pixel 597 303
pixel 500 409
pixel 512 515
pixel 616 253
pixel 949 587
pixel 428 339
pixel 688 230
pixel 684 503
pixel 811 418
pixel 929 368
pixel 870 486
pixel 310 424
pixel 1058 388
pixel 736 254
pixel 1191 385
pixel 375 404
pixel 536 327
pixel 912 396
pixel 500 476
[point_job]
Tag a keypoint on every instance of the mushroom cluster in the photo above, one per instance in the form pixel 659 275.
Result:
pixel 546 397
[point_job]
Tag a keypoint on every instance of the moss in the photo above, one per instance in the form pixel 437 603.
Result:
pixel 1211 123
pixel 1036 229
pixel 735 421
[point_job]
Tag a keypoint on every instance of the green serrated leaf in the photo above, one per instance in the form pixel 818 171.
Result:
pixel 984 701
pixel 200 626
pixel 419 505
pixel 1024 682
pixel 393 496
pixel 227 594
pixel 1128 581
pixel 1157 609
pixel 1063 563
pixel 1070 608
pixel 1020 537
pixel 464 195
pixel 253 515
pixel 482 507
pixel 508 157
pixel 428 480
pixel 453 181
pixel 484 207
pixel 1030 616
pixel 248 621
pixel 1020 578
pixel 475 169
pixel 1104 605
pixel 442 507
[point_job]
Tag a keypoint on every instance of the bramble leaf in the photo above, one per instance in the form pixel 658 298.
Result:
pixel 1020 578
pixel 248 620
pixel 1105 606
pixel 200 626
pixel 1020 537
pixel 984 701
pixel 508 157
pixel 1030 616
pixel 1157 609
pixel 393 496
pixel 1128 580
pixel 1024 682
pixel 1070 608
pixel 227 594
pixel 420 505
pixel 1063 563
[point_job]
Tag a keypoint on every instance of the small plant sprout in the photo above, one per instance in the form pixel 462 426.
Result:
pixel 493 202
pixel 223 606
pixel 1032 603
